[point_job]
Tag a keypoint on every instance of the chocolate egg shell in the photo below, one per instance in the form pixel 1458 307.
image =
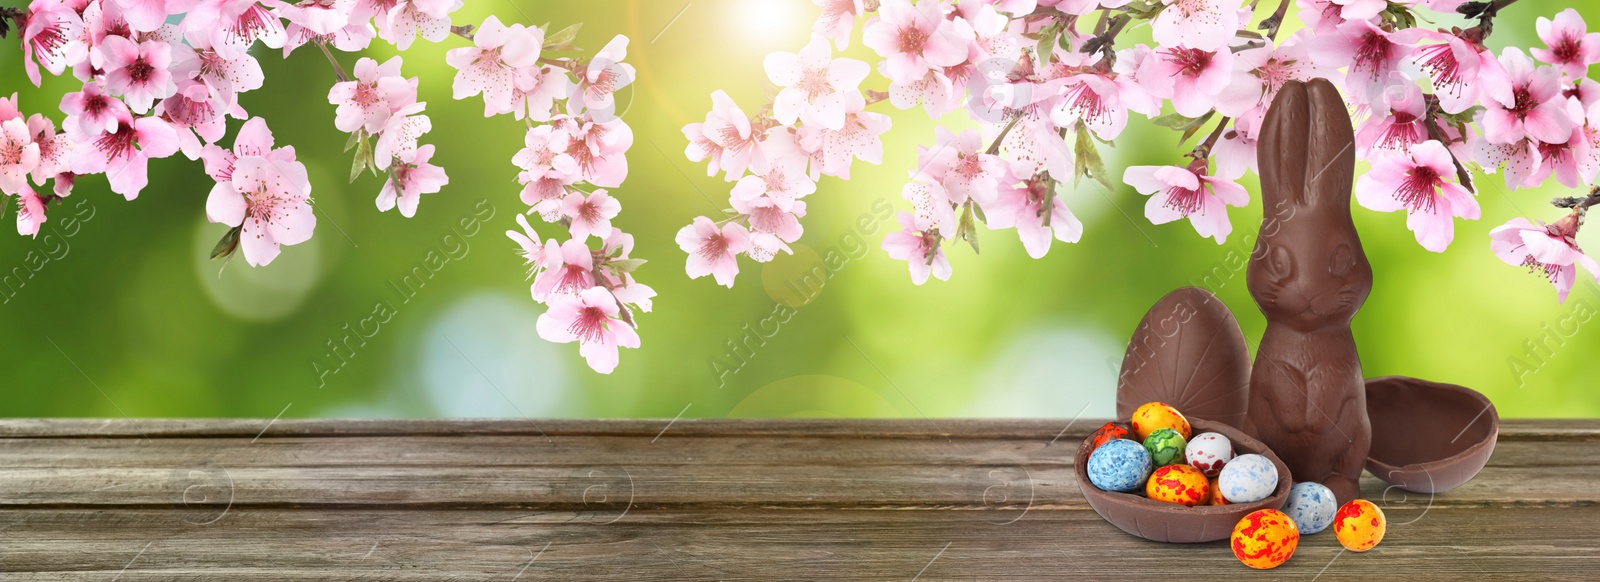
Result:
pixel 1187 352
pixel 1428 437
pixel 1165 522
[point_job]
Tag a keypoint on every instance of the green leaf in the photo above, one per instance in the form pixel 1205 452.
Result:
pixel 1089 162
pixel 1173 121
pixel 625 265
pixel 228 244
pixel 1189 132
pixel 354 138
pixel 1047 41
pixel 562 37
pixel 362 161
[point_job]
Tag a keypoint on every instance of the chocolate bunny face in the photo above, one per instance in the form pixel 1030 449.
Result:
pixel 1309 271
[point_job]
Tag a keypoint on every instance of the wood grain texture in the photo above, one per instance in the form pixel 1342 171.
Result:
pixel 704 499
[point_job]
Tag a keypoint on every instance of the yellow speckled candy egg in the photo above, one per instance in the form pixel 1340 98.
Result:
pixel 1359 525
pixel 1215 497
pixel 1180 484
pixel 1157 415
pixel 1265 539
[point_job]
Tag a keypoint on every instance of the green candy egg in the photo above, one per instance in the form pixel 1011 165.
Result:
pixel 1166 447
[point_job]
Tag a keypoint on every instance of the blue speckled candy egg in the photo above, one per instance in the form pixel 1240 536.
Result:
pixel 1248 478
pixel 1311 506
pixel 1120 465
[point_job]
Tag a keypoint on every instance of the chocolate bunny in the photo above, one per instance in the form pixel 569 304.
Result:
pixel 1309 276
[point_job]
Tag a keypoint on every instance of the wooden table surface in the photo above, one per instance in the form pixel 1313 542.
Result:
pixel 695 499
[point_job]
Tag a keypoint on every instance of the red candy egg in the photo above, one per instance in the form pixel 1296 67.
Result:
pixel 1110 432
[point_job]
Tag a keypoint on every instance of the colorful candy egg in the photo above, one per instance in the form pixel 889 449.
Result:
pixel 1120 465
pixel 1154 415
pixel 1166 447
pixel 1180 484
pixel 1248 478
pixel 1359 525
pixel 1265 539
pixel 1110 432
pixel 1216 498
pixel 1208 452
pixel 1311 506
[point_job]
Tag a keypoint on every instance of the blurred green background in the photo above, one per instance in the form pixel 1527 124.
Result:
pixel 127 316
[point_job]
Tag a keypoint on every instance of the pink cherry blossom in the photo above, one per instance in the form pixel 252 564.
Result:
pixel 930 203
pixel 1258 74
pixel 1096 99
pixel 1178 192
pixel 858 139
pixel 1022 205
pixel 319 17
pixel 784 181
pixel 30 212
pixel 143 15
pixel 1572 47
pixel 195 110
pixel 1560 160
pixel 1371 54
pixel 1192 78
pixel 568 270
pixel 488 67
pixel 544 152
pixel 410 177
pixel 138 72
pixel 1206 25
pixel 712 250
pixel 123 154
pixel 537 90
pixel 377 91
pixel 407 19
pixel 814 85
pixel 1416 181
pixel 589 318
pixel 253 139
pixel 532 251
pixel 229 74
pixel 738 142
pixel 918 245
pixel 1550 251
pixel 837 20
pixel 55 150
pixel 600 149
pixel 958 163
pixel 18 155
pixel 590 214
pixel 1524 101
pixel 765 217
pixel 400 134
pixel 600 79
pixel 1402 127
pixel 1452 66
pixel 270 200
pixel 92 111
pixel 915 39
pixel 231 26
pixel 1520 158
pixel 50 37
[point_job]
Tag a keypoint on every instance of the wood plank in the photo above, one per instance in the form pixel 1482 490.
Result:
pixel 942 428
pixel 267 544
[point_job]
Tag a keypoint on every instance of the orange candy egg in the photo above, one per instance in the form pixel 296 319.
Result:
pixel 1180 484
pixel 1265 539
pixel 1215 498
pixel 1157 415
pixel 1359 525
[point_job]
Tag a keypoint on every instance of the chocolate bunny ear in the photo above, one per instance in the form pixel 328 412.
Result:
pixel 1307 147
pixel 1188 352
